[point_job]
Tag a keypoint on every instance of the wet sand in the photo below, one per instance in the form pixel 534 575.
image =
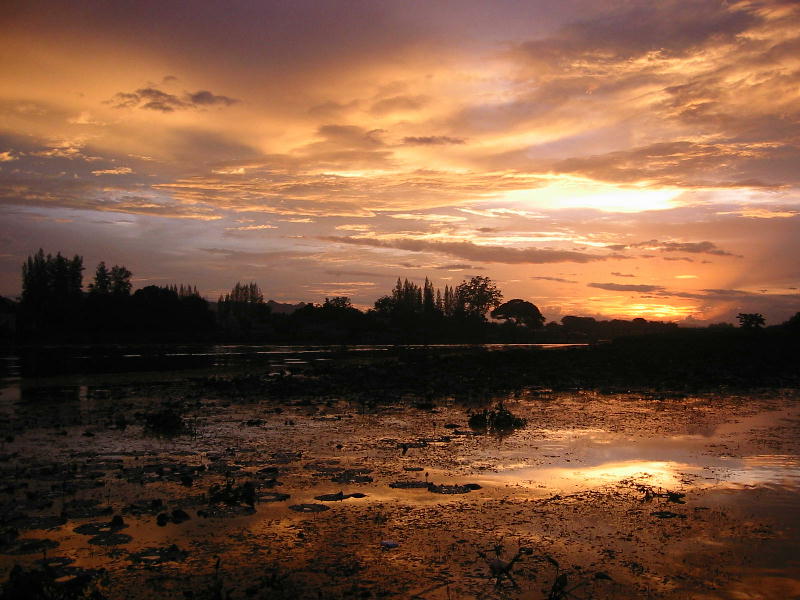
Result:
pixel 598 495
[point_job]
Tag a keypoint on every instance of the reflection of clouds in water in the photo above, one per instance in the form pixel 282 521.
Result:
pixel 586 458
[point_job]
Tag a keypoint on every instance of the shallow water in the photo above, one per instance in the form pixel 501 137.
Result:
pixel 586 482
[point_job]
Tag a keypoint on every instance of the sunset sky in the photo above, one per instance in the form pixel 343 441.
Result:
pixel 606 158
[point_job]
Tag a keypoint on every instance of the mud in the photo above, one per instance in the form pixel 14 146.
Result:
pixel 593 495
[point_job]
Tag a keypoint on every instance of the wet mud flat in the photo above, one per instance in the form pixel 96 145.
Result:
pixel 169 490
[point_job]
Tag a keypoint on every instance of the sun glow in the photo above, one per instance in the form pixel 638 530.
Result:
pixel 579 193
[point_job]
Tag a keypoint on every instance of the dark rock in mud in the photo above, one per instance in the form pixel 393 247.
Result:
pixel 179 516
pixel 110 539
pixel 309 508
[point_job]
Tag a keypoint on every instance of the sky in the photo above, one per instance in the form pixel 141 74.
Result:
pixel 607 158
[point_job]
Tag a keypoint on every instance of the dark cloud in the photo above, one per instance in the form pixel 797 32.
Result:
pixel 152 98
pixel 373 274
pixel 671 27
pixel 691 164
pixel 206 98
pixel 255 257
pixel 619 287
pixel 694 248
pixel 556 279
pixel 616 274
pixel 704 247
pixel 468 250
pixel 455 267
pixel 432 140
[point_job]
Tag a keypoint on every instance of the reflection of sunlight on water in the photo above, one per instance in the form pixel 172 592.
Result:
pixel 764 470
pixel 655 473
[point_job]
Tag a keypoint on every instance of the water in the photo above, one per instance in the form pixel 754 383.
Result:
pixel 586 482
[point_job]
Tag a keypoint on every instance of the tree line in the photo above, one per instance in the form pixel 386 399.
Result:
pixel 54 306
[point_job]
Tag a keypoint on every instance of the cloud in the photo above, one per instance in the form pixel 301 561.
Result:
pixel 556 279
pixel 432 140
pixel 468 250
pixel 704 247
pixel 251 227
pixel 454 267
pixel 152 98
pixel 669 28
pixel 616 274
pixel 619 287
pixel 206 98
pixel 115 171
pixel 398 104
pixel 429 217
pixel 346 273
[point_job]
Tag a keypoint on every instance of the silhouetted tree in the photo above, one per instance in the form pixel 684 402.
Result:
pixel 338 302
pixel 51 294
pixel 750 320
pixel 243 312
pixel 121 281
pixel 793 324
pixel 477 296
pixel 520 312
pixel 102 280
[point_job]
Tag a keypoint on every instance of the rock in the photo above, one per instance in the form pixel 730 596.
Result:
pixel 179 516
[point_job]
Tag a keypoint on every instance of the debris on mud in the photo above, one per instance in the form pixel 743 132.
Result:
pixel 496 420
